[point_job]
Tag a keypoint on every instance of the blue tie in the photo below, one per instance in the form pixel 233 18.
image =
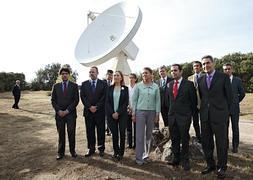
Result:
pixel 93 87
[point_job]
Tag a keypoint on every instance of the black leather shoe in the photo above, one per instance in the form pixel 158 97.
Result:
pixel 119 157
pixel 186 166
pixel 208 170
pixel 114 156
pixel 101 153
pixel 235 150
pixel 74 155
pixel 199 140
pixel 173 163
pixel 221 173
pixel 89 153
pixel 59 156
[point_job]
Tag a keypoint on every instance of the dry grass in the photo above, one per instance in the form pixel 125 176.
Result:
pixel 28 145
pixel 247 107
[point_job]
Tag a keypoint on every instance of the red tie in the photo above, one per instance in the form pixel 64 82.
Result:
pixel 175 89
pixel 64 88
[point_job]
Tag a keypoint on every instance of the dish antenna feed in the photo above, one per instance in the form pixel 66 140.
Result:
pixel 110 35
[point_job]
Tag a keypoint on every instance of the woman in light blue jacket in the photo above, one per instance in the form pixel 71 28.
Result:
pixel 146 109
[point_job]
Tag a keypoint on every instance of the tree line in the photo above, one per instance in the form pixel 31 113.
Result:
pixel 47 76
pixel 242 65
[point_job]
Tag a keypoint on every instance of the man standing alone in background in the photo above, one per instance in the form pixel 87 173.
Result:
pixel 16 91
pixel 238 95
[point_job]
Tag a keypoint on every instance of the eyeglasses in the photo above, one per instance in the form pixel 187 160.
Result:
pixel 64 73
pixel 227 69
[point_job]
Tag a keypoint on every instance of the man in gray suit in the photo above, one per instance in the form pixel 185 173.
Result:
pixel 197 68
pixel 65 98
pixel 182 98
pixel 216 98
pixel 162 83
pixel 239 94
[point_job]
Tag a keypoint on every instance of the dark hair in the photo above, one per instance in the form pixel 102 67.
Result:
pixel 148 69
pixel 197 62
pixel 95 67
pixel 207 57
pixel 178 65
pixel 228 64
pixel 109 71
pixel 65 69
pixel 122 82
pixel 135 77
pixel 162 67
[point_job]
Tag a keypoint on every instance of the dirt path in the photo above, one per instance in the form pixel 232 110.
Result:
pixel 28 145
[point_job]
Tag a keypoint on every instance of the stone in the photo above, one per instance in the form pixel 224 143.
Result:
pixel 161 146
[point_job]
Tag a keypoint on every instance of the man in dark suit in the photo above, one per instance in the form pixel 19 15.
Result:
pixel 65 98
pixel 238 94
pixel 108 80
pixel 93 94
pixel 16 93
pixel 162 83
pixel 216 98
pixel 183 103
pixel 197 68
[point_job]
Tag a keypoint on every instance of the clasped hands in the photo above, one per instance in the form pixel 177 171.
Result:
pixel 93 109
pixel 62 113
pixel 115 116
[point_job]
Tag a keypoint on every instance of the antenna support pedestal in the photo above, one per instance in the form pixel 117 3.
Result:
pixel 121 64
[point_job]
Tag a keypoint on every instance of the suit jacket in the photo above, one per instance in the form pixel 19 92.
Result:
pixel 216 101
pixel 105 80
pixel 238 95
pixel 16 91
pixel 89 99
pixel 185 104
pixel 193 79
pixel 69 102
pixel 163 90
pixel 123 101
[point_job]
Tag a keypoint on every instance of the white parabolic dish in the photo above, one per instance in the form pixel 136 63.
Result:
pixel 109 34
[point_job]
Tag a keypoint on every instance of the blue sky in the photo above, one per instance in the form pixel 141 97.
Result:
pixel 36 33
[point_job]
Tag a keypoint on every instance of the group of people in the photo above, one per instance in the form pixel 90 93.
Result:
pixel 208 97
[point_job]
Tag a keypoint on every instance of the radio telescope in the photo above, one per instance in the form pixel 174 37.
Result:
pixel 109 36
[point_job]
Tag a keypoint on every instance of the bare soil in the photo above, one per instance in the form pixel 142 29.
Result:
pixel 28 147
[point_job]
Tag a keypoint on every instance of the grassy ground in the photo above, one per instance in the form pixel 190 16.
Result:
pixel 28 146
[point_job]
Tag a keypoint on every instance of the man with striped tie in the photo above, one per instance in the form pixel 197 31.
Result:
pixel 162 84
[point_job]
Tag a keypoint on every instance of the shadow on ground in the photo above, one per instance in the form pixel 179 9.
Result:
pixel 25 154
